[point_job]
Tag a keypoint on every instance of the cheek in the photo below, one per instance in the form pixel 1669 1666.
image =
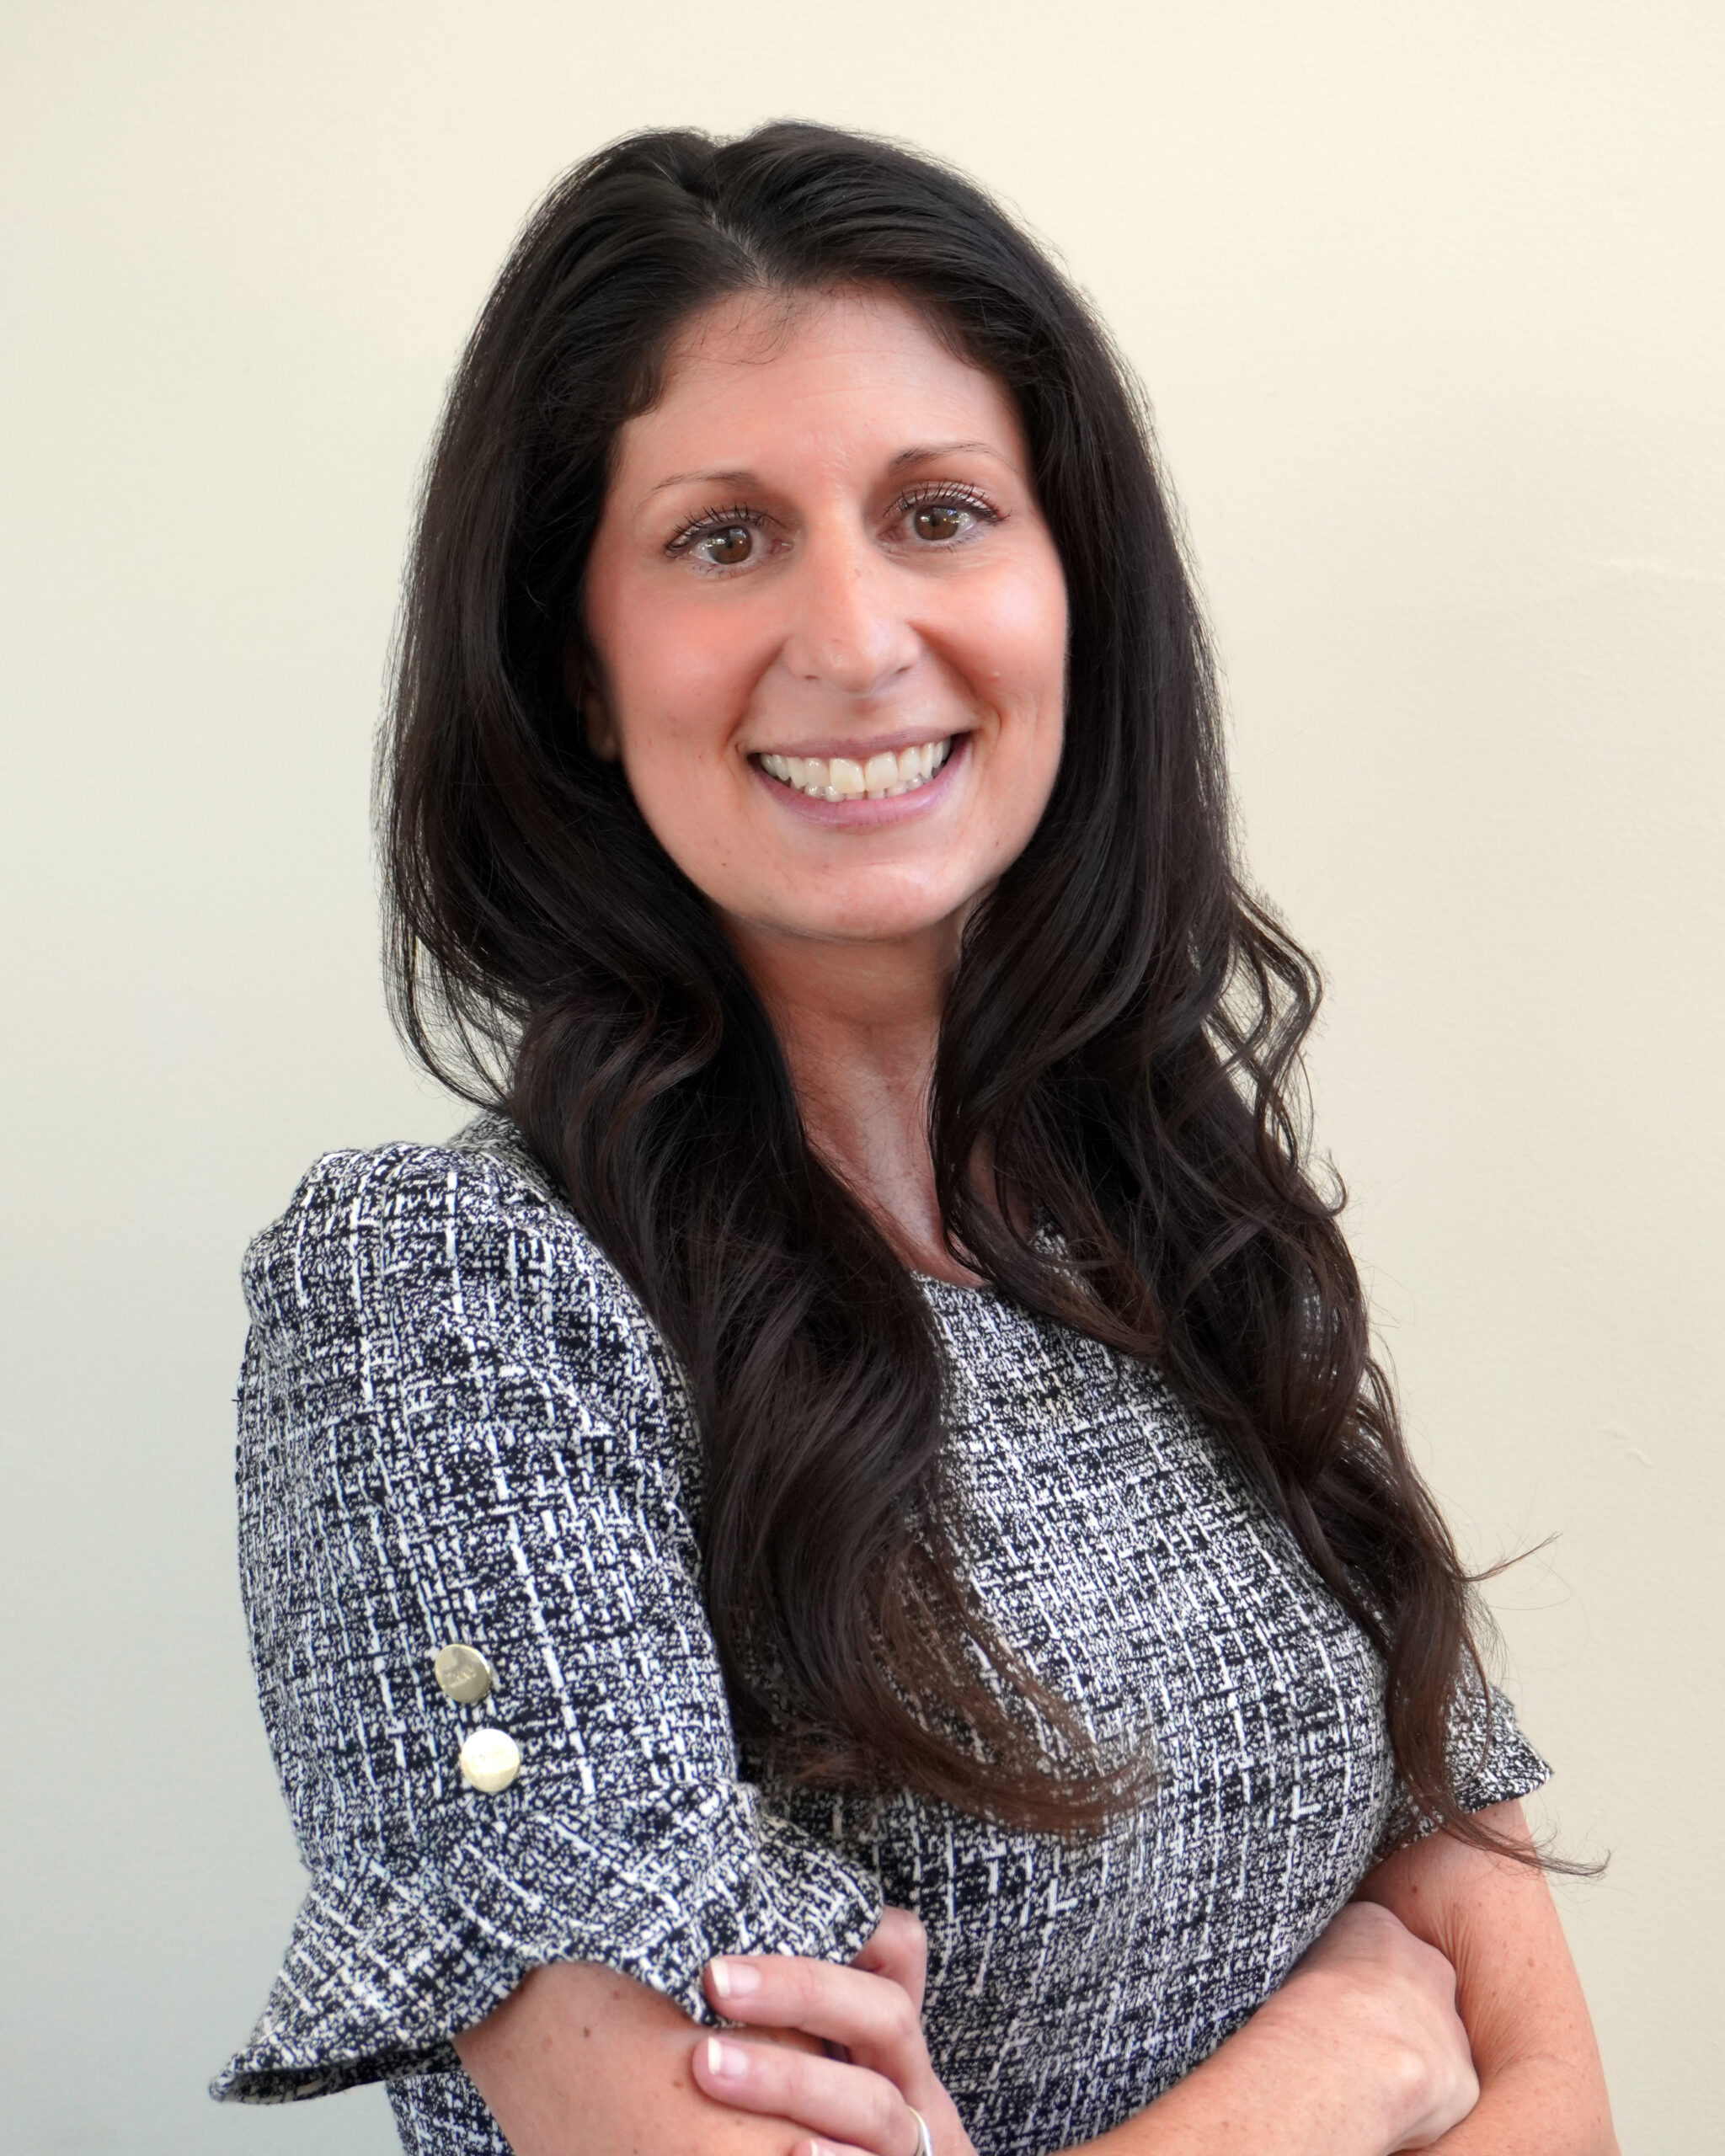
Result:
pixel 1020 643
pixel 1020 639
pixel 677 668
pixel 681 677
pixel 1027 643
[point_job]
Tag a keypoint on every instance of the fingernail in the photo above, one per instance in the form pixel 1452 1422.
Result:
pixel 726 2062
pixel 734 1979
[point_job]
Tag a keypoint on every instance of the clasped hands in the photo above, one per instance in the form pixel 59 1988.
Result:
pixel 845 2056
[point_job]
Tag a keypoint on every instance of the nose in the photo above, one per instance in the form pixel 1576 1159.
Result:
pixel 849 627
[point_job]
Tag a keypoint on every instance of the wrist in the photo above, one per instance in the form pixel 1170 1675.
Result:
pixel 1367 2085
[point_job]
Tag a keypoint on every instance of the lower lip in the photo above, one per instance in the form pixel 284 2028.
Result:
pixel 860 814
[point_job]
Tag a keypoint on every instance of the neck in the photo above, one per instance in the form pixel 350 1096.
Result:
pixel 859 1023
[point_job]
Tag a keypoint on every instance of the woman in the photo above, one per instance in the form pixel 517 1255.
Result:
pixel 837 1573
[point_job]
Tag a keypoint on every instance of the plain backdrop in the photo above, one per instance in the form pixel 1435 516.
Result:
pixel 1429 302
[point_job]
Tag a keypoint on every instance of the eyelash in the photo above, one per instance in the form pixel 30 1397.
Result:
pixel 689 536
pixel 709 522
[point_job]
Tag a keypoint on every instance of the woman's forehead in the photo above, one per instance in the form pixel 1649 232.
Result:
pixel 766 366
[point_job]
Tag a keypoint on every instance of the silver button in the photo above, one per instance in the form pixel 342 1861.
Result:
pixel 463 1673
pixel 490 1759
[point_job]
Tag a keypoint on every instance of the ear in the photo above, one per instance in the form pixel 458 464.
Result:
pixel 584 686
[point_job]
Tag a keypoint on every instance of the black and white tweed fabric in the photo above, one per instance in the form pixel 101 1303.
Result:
pixel 457 1423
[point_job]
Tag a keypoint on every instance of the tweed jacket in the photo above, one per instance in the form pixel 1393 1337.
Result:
pixel 458 1424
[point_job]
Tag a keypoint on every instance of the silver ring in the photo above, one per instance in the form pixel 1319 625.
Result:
pixel 925 2142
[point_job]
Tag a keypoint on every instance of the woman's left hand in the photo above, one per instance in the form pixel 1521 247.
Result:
pixel 862 2101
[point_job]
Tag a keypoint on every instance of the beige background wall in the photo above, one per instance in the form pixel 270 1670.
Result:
pixel 1429 302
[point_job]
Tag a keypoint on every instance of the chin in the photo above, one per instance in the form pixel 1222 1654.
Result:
pixel 883 924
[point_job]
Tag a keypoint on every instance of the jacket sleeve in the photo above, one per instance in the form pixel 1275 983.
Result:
pixel 457 1425
pixel 1490 1760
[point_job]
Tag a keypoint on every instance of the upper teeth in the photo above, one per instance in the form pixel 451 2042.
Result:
pixel 843 778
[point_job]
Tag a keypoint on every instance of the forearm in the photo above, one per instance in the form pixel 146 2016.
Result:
pixel 1274 2101
pixel 580 2062
pixel 1542 2088
pixel 1278 2089
pixel 1536 2107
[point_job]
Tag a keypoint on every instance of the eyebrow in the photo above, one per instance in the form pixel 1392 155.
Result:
pixel 736 478
pixel 921 453
pixel 924 453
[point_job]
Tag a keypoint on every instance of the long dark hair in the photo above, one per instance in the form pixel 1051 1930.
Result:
pixel 1120 1041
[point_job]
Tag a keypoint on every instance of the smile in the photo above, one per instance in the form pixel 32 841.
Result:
pixel 875 778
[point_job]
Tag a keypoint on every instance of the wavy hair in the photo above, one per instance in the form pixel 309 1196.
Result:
pixel 1120 1042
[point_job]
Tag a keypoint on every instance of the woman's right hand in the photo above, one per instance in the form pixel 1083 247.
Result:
pixel 1369 1985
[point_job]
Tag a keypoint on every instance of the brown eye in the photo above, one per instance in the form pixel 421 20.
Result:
pixel 939 520
pixel 729 546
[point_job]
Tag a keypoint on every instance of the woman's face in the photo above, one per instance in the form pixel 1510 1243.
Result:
pixel 827 622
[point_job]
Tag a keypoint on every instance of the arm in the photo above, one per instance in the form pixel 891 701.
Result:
pixel 581 2062
pixel 1541 2086
pixel 1359 2054
pixel 455 1427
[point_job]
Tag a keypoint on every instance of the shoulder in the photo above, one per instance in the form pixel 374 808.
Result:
pixel 416 1200
pixel 426 1251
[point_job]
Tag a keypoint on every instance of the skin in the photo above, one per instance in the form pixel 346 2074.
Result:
pixel 822 540
pixel 849 628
